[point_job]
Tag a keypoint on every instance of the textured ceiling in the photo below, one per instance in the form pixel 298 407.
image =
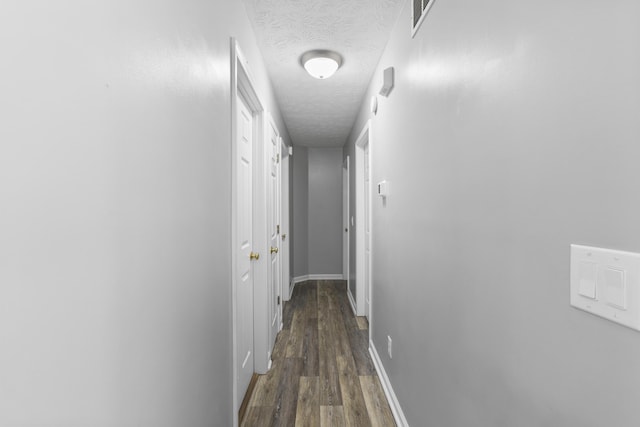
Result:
pixel 321 113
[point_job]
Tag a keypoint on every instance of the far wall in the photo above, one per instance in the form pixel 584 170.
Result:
pixel 317 211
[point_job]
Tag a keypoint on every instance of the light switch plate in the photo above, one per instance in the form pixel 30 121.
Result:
pixel 606 282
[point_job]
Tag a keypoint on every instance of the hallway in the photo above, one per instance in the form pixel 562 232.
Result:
pixel 322 373
pixel 499 136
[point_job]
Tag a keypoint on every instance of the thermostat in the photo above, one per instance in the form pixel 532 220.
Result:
pixel 387 84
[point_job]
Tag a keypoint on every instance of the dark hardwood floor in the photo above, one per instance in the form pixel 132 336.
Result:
pixel 322 373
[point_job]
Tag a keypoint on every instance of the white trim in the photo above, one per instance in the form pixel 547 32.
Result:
pixel 368 305
pixel 364 139
pixel 299 279
pixel 398 415
pixel 285 248
pixel 360 247
pixel 346 219
pixel 279 239
pixel 234 233
pixel 325 277
pixel 352 303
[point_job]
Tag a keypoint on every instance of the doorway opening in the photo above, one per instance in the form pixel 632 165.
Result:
pixel 363 222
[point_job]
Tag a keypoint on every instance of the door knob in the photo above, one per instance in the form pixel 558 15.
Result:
pixel 274 250
pixel 254 256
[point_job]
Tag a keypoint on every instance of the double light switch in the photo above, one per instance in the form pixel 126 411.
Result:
pixel 606 282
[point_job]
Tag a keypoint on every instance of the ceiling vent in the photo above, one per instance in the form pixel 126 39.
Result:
pixel 419 11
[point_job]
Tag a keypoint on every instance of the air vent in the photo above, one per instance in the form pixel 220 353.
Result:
pixel 420 10
pixel 417 12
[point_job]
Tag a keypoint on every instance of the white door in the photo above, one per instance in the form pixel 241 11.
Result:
pixel 367 233
pixel 362 297
pixel 273 208
pixel 244 275
pixel 345 220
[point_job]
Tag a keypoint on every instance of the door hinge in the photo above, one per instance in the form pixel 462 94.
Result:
pixel 278 300
pixel 277 229
pixel 278 158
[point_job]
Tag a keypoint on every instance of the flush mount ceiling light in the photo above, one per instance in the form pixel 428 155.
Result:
pixel 321 64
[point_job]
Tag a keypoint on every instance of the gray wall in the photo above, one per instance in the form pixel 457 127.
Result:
pixel 512 131
pixel 317 211
pixel 325 211
pixel 115 266
pixel 291 219
pixel 300 215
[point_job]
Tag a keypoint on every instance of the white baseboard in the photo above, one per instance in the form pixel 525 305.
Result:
pixel 398 415
pixel 352 303
pixel 299 279
pixel 291 286
pixel 318 277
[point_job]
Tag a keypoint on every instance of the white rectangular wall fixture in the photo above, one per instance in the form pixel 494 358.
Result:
pixel 606 282
pixel 383 189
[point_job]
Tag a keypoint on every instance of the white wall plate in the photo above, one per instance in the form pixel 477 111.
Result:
pixel 606 282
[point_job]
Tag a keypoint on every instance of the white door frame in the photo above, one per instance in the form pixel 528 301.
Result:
pixel 285 227
pixel 345 220
pixel 363 139
pixel 242 84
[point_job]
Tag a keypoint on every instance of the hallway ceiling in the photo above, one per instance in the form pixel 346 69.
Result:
pixel 320 113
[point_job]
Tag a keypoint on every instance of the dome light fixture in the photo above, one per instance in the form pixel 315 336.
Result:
pixel 321 64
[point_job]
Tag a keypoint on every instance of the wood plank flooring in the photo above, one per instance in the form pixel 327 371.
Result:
pixel 322 374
